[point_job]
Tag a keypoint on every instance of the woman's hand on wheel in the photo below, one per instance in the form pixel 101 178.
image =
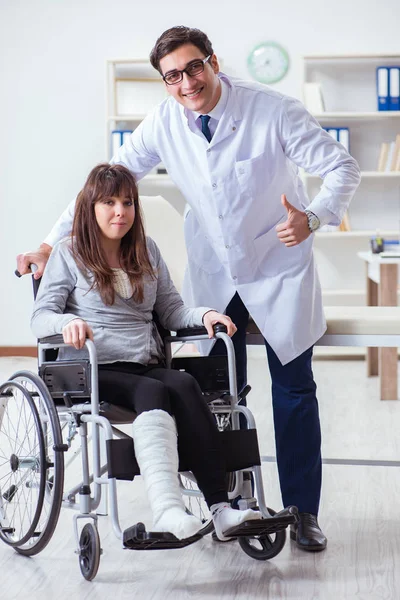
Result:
pixel 75 333
pixel 212 317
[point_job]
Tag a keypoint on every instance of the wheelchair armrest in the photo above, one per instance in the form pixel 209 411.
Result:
pixel 189 331
pixel 52 339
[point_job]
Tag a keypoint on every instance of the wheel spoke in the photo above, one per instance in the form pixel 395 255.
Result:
pixel 9 474
pixel 24 480
pixel 193 499
pixel 34 424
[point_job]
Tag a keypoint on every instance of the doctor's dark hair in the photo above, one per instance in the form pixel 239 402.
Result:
pixel 174 38
pixel 106 181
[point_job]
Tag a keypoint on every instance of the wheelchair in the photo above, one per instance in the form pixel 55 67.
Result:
pixel 42 414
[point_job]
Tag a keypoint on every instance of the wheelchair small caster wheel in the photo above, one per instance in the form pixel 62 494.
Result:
pixel 264 547
pixel 89 551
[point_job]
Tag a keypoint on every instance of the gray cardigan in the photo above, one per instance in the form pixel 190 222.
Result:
pixel 124 331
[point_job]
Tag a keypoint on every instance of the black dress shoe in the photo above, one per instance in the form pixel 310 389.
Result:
pixel 307 533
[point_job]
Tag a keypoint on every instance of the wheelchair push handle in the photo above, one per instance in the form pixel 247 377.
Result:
pixel 220 328
pixel 35 282
pixel 32 267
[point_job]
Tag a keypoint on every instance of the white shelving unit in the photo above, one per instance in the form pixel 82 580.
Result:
pixel 348 85
pixel 134 88
pixel 358 116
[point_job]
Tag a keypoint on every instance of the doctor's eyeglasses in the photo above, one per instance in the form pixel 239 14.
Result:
pixel 195 67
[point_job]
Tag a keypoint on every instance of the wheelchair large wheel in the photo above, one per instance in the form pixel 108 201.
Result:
pixel 264 547
pixel 22 465
pixel 54 463
pixel 194 501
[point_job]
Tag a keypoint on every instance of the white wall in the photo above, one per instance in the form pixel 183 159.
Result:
pixel 52 101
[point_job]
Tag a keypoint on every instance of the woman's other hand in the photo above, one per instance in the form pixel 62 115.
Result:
pixel 76 332
pixel 212 317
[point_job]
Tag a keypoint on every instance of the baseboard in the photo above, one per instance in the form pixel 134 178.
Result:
pixel 18 351
pixel 339 353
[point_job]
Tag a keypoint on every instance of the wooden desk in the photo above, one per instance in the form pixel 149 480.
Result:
pixel 382 282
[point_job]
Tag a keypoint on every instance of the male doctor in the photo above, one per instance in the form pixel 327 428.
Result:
pixel 233 147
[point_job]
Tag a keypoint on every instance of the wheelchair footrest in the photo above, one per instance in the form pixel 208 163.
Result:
pixel 137 538
pixel 260 527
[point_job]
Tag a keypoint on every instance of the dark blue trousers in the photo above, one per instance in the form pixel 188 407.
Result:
pixel 296 417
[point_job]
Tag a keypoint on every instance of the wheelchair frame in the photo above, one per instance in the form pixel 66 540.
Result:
pixel 77 416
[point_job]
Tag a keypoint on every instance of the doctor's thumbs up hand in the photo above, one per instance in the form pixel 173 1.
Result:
pixel 295 229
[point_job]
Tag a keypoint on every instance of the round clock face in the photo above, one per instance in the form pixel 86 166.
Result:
pixel 268 62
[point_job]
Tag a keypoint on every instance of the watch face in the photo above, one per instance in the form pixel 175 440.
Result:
pixel 313 221
pixel 268 62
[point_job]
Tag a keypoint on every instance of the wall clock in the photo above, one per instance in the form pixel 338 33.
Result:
pixel 268 62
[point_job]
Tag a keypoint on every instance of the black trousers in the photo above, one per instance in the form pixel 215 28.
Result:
pixel 141 388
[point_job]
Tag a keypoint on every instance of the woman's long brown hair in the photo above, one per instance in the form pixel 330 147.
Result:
pixel 105 181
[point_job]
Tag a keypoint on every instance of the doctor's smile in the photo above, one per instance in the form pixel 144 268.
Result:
pixel 193 94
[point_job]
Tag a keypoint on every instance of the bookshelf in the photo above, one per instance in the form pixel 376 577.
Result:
pixel 348 87
pixel 134 88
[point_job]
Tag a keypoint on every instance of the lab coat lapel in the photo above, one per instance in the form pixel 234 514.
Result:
pixel 232 114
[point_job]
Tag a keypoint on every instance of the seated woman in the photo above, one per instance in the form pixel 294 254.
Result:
pixel 103 283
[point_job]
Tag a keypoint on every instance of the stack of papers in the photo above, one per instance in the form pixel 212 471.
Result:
pixel 392 254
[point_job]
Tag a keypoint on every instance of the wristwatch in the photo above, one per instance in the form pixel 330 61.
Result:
pixel 313 221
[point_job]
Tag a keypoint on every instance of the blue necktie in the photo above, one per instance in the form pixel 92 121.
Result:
pixel 205 130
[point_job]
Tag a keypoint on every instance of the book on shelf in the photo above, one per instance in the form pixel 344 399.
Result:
pixel 382 87
pixel 340 134
pixel 313 98
pixel 394 88
pixel 383 154
pixel 388 87
pixel 344 137
pixel 395 163
pixel 119 137
pixel 389 156
pixel 345 224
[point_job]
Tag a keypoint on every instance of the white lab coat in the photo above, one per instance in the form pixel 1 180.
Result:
pixel 234 185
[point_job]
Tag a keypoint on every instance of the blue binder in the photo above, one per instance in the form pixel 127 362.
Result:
pixel 118 137
pixel 333 132
pixel 394 88
pixel 382 87
pixel 344 137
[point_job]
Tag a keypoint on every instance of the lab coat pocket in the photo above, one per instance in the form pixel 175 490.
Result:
pixel 273 257
pixel 253 174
